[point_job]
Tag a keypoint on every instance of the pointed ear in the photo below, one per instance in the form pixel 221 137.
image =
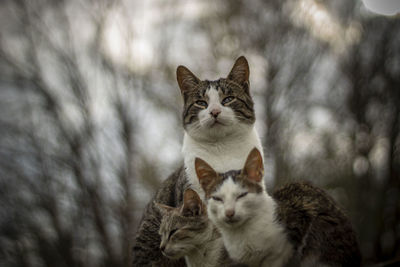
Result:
pixel 240 71
pixel 205 173
pixel 163 209
pixel 192 204
pixel 254 168
pixel 186 79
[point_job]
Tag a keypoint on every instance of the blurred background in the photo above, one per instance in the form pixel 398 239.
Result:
pixel 90 112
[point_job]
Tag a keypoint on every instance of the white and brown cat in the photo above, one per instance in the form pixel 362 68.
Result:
pixel 300 225
pixel 218 119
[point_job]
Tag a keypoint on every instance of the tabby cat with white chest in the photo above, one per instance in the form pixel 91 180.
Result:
pixel 299 226
pixel 186 232
pixel 218 121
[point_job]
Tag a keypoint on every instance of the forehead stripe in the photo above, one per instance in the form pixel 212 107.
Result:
pixel 232 174
pixel 236 178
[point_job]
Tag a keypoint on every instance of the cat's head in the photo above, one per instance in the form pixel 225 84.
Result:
pixel 184 228
pixel 216 109
pixel 235 196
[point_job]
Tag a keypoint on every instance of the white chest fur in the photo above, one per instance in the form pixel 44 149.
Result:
pixel 223 155
pixel 261 241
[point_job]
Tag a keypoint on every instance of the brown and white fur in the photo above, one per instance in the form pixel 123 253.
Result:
pixel 245 214
pixel 300 226
pixel 218 120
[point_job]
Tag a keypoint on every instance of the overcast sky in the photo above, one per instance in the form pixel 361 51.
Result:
pixel 385 7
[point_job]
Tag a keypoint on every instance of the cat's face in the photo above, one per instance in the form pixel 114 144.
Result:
pixel 232 197
pixel 215 109
pixel 183 229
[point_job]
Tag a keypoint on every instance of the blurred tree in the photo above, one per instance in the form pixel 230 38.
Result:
pixel 85 136
pixel 67 139
pixel 371 71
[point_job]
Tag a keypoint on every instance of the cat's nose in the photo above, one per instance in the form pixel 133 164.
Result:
pixel 162 247
pixel 229 213
pixel 215 112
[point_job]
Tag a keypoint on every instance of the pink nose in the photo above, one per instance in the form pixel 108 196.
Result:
pixel 229 213
pixel 215 112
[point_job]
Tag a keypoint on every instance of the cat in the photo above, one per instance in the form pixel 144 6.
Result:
pixel 299 226
pixel 146 248
pixel 218 120
pixel 186 232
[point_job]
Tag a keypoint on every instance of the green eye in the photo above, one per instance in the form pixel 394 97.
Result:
pixel 172 233
pixel 227 100
pixel 202 103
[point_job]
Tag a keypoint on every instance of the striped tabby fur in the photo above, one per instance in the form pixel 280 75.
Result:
pixel 186 232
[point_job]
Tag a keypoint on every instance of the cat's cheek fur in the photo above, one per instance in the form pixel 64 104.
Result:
pixel 181 247
pixel 251 204
pixel 215 212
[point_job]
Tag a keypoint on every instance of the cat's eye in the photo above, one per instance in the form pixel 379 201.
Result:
pixel 242 195
pixel 217 198
pixel 172 232
pixel 227 100
pixel 202 103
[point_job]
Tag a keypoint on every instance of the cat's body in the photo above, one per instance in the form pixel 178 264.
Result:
pixel 210 254
pixel 146 250
pixel 218 118
pixel 186 232
pixel 319 231
pixel 300 226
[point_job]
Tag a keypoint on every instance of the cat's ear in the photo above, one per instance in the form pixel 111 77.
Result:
pixel 186 79
pixel 163 209
pixel 254 168
pixel 192 204
pixel 240 72
pixel 205 173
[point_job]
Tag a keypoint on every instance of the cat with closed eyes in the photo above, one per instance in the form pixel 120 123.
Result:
pixel 218 120
pixel 300 225
pixel 186 232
